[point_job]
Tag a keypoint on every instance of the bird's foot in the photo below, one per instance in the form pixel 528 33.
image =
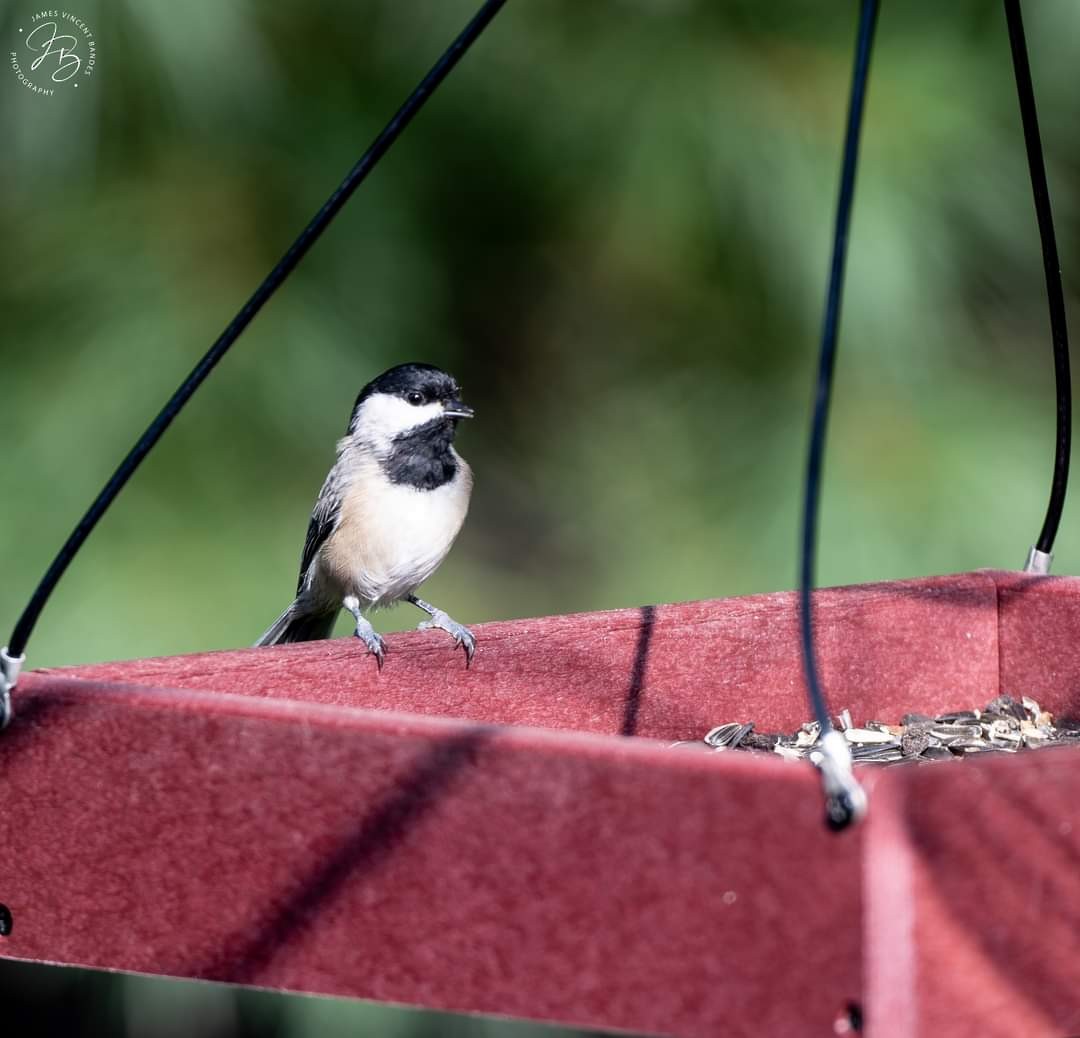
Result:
pixel 372 639
pixel 459 632
pixel 364 631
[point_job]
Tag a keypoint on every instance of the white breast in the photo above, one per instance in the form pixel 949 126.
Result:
pixel 392 537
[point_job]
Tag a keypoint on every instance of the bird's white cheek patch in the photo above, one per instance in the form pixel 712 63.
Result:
pixel 383 416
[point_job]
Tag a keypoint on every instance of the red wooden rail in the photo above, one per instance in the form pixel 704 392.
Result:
pixel 490 840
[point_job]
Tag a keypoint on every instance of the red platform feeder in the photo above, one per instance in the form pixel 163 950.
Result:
pixel 521 839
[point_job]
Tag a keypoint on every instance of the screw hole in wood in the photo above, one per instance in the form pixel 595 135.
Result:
pixel 850 1020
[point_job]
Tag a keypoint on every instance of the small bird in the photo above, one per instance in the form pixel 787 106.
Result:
pixel 387 513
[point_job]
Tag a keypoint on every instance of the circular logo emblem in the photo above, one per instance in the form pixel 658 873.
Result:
pixel 52 52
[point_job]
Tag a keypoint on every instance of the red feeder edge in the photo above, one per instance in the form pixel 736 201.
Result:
pixel 521 839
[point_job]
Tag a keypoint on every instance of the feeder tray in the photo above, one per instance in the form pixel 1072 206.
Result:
pixel 522 839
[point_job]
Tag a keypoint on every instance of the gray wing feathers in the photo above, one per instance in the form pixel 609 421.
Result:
pixel 324 517
pixel 306 619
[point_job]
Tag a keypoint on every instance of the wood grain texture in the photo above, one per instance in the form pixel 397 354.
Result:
pixel 1040 640
pixel 610 883
pixel 972 901
pixel 665 672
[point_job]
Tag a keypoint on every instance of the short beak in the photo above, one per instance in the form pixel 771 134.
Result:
pixel 456 409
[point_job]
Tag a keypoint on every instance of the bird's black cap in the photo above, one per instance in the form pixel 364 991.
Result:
pixel 414 377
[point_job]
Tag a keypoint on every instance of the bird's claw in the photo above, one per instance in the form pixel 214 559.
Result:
pixel 375 645
pixel 462 636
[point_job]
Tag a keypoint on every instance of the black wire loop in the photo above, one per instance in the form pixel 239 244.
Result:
pixel 296 252
pixel 1055 294
pixel 839 812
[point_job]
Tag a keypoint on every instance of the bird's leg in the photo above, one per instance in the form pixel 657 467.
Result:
pixel 364 631
pixel 462 635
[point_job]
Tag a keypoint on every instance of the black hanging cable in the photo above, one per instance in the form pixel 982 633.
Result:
pixel 845 800
pixel 11 657
pixel 1041 554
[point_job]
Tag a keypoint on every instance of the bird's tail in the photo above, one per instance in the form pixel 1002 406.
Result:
pixel 298 625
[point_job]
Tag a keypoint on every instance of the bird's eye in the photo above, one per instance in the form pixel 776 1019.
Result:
pixel 415 398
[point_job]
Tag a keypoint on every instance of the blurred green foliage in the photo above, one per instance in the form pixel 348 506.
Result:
pixel 612 224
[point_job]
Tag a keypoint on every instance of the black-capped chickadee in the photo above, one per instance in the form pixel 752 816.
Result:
pixel 388 512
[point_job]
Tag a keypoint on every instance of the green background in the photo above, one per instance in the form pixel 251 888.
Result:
pixel 612 224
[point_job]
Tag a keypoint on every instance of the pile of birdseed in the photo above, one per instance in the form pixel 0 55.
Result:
pixel 1004 726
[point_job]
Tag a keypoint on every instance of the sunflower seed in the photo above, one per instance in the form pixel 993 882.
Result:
pixel 862 736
